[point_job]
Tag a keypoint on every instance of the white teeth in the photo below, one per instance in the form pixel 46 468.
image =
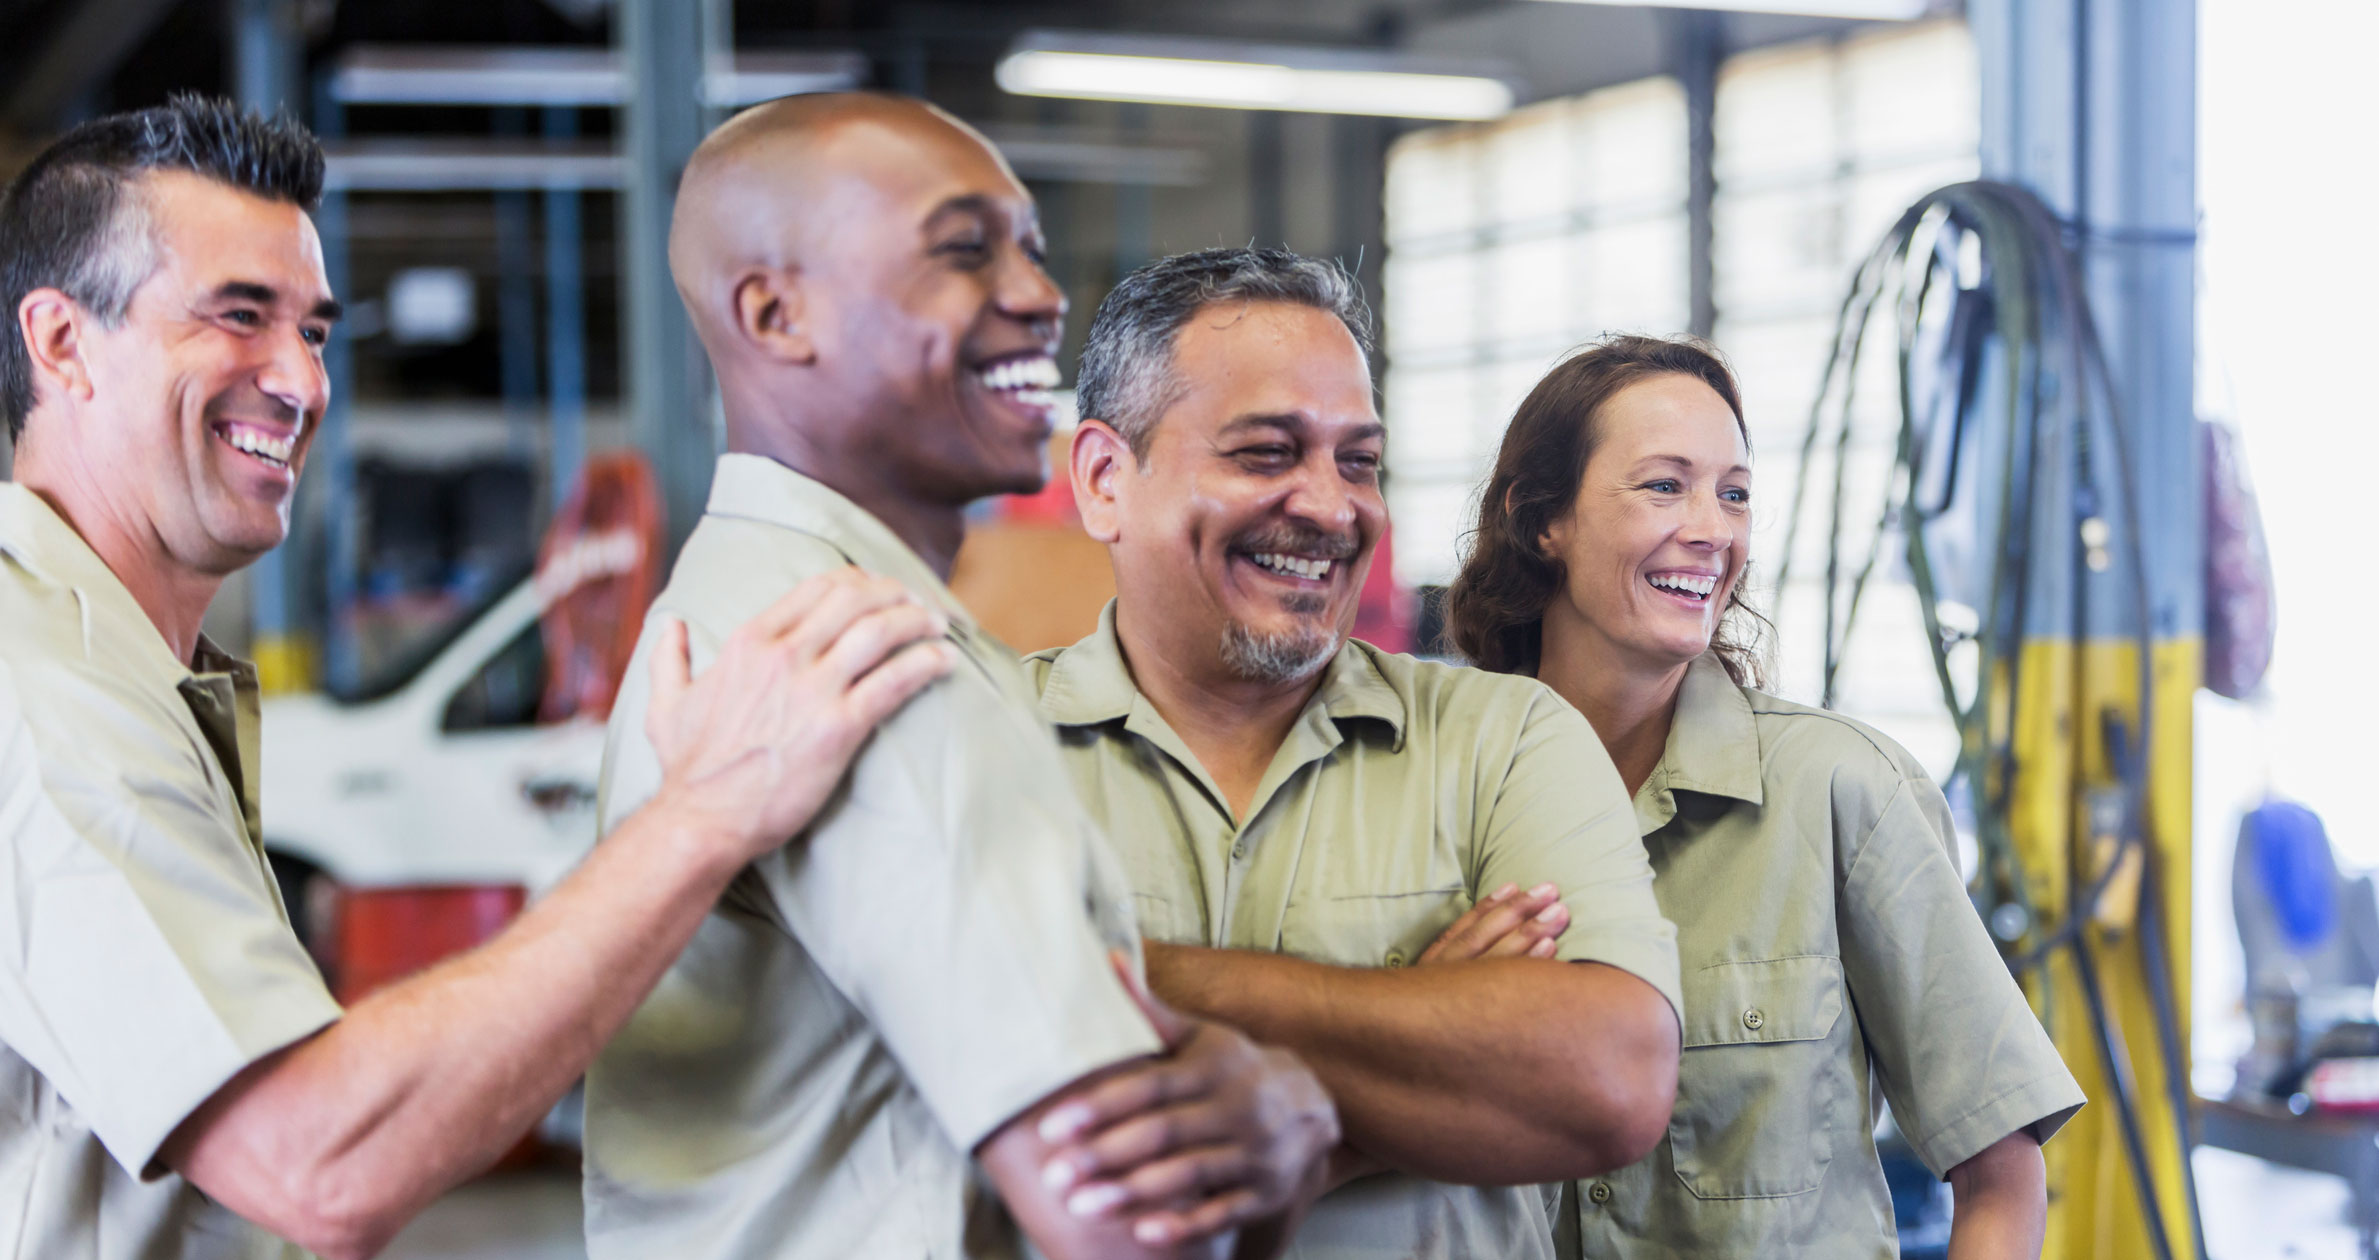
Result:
pixel 1295 566
pixel 1692 584
pixel 1035 375
pixel 274 450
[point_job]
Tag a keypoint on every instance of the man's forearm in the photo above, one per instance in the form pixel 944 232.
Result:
pixel 1496 1071
pixel 338 1141
pixel 2001 1207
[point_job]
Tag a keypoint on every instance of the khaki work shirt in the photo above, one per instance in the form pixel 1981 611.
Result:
pixel 145 957
pixel 1404 791
pixel 1828 944
pixel 868 1004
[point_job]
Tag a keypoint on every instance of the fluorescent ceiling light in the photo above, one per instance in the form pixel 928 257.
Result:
pixel 1252 76
pixel 1880 10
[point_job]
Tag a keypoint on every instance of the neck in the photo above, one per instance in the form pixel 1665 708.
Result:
pixel 932 530
pixel 1629 703
pixel 1233 725
pixel 174 596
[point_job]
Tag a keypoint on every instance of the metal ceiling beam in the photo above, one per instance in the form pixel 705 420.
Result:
pixel 1053 155
pixel 406 74
pixel 94 38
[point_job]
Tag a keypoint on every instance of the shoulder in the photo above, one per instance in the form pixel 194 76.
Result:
pixel 1862 770
pixel 1793 737
pixel 732 568
pixel 40 620
pixel 62 680
pixel 1465 699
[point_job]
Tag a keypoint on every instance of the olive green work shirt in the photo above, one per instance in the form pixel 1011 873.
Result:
pixel 1404 791
pixel 145 957
pixel 1828 944
pixel 868 1004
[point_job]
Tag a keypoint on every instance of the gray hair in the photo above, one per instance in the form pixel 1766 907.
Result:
pixel 1127 377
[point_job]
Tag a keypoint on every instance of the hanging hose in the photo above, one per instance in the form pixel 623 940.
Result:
pixel 1984 269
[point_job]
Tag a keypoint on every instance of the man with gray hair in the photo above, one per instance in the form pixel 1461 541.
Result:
pixel 1301 815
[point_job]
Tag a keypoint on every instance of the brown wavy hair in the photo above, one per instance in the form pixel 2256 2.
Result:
pixel 1495 610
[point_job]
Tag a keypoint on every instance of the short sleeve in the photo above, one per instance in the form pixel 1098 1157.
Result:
pixel 144 957
pixel 1559 814
pixel 955 893
pixel 1958 1051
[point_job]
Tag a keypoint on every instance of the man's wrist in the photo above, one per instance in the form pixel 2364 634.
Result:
pixel 701 838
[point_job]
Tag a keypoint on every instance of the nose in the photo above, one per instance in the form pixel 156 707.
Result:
pixel 1027 293
pixel 1321 497
pixel 294 375
pixel 1708 525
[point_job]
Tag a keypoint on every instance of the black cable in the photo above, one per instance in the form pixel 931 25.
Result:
pixel 2056 392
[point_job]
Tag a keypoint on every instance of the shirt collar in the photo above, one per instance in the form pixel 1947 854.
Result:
pixel 36 537
pixel 1090 683
pixel 754 487
pixel 1713 740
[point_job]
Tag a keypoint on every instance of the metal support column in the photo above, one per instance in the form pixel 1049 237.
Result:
pixel 266 58
pixel 2092 105
pixel 1267 177
pixel 516 302
pixel 671 415
pixel 340 557
pixel 1695 38
pixel 565 324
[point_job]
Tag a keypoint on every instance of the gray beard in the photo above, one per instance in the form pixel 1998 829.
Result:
pixel 1277 658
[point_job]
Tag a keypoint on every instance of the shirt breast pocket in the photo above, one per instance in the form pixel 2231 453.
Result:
pixel 1758 1084
pixel 1371 930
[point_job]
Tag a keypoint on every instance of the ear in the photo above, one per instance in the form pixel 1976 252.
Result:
pixel 1099 456
pixel 51 324
pixel 770 310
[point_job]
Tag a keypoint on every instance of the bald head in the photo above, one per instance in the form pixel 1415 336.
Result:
pixel 775 185
pixel 865 272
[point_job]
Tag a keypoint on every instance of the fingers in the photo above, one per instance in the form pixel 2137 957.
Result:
pixel 868 640
pixel 1540 931
pixel 792 607
pixel 1505 924
pixel 1455 941
pixel 880 693
pixel 1119 1097
pixel 1184 1177
pixel 848 597
pixel 1232 1210
pixel 1136 1143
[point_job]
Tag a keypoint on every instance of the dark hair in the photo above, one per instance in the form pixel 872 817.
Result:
pixel 74 221
pixel 1126 378
pixel 1495 611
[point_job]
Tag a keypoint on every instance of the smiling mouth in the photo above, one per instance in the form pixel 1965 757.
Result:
pixel 271 450
pixel 1026 380
pixel 1311 569
pixel 1693 586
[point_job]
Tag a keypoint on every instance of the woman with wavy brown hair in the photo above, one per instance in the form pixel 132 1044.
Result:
pixel 1806 859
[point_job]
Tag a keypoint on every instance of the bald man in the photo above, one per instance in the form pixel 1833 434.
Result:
pixel 950 967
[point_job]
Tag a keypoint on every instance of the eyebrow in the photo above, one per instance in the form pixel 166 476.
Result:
pixel 964 203
pixel 1684 463
pixel 328 309
pixel 1296 424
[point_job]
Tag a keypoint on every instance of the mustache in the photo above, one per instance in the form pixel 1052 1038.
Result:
pixel 1295 539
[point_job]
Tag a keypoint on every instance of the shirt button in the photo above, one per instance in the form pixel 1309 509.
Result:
pixel 1600 1192
pixel 1395 957
pixel 1239 851
pixel 1752 1019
